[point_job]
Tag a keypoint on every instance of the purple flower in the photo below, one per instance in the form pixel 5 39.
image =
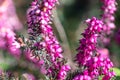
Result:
pixel 104 52
pixel 109 9
pixel 99 66
pixel 82 77
pixel 8 13
pixel 43 42
pixel 39 16
pixel 9 22
pixel 89 40
pixel 89 58
pixel 7 36
pixel 63 72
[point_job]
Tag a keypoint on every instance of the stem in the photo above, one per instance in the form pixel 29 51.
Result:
pixel 63 37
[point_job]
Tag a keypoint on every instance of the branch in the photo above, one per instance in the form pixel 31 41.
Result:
pixel 63 37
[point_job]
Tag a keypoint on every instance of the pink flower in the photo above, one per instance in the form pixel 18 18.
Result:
pixel 89 40
pixel 82 77
pixel 109 8
pixel 8 24
pixel 89 57
pixel 8 14
pixel 103 52
pixel 63 72
pixel 43 42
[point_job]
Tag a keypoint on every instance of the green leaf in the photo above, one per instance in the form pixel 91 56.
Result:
pixel 4 66
pixel 100 77
pixel 117 71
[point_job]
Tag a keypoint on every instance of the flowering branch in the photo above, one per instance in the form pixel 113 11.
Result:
pixel 109 9
pixel 9 23
pixel 44 47
pixel 91 64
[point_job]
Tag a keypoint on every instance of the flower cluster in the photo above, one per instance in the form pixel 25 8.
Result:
pixel 39 16
pixel 8 23
pixel 104 52
pixel 98 66
pixel 89 59
pixel 63 72
pixel 88 43
pixel 109 8
pixel 95 68
pixel 43 43
pixel 82 77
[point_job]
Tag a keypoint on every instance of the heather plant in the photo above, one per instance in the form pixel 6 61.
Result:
pixel 40 56
pixel 92 65
pixel 9 23
pixel 109 9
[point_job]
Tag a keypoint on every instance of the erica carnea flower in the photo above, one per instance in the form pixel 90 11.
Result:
pixel 89 60
pixel 89 40
pixel 43 43
pixel 8 13
pixel 95 68
pixel 8 24
pixel 63 72
pixel 39 19
pixel 104 52
pixel 82 77
pixel 109 9
pixel 98 66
